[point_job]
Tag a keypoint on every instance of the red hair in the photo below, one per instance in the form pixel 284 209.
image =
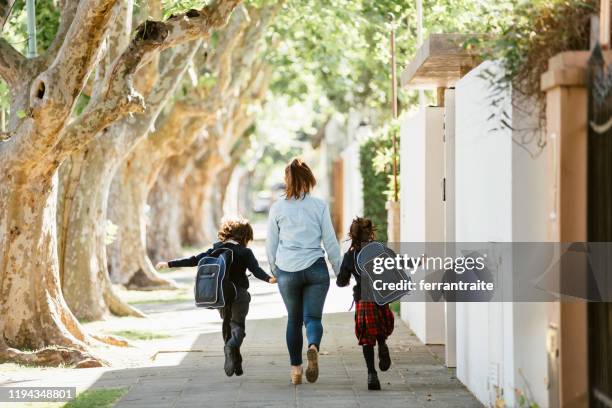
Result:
pixel 299 179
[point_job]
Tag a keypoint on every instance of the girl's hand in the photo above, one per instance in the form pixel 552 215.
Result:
pixel 161 265
pixel 272 280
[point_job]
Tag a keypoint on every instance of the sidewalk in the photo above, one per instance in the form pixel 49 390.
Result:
pixel 416 379
pixel 176 378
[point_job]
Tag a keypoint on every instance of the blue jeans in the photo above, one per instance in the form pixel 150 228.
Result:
pixel 304 294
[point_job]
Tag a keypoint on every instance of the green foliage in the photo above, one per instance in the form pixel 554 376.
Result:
pixel 5 96
pixel 526 34
pixel 47 22
pixel 336 53
pixel 375 185
pixel 383 156
pixel 179 6
pixel 340 49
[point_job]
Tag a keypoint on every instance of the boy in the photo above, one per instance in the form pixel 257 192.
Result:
pixel 234 234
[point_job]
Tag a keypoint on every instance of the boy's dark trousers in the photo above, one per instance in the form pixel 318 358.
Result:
pixel 234 318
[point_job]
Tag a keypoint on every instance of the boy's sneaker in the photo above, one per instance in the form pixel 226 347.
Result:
pixel 373 383
pixel 238 363
pixel 384 359
pixel 230 358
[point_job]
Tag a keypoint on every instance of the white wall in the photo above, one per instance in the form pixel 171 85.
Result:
pixel 450 310
pixel 529 213
pixel 500 197
pixel 483 203
pixel 421 206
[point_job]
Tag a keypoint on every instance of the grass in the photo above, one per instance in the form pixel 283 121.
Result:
pixel 100 398
pixel 140 335
pixel 136 297
pixel 176 299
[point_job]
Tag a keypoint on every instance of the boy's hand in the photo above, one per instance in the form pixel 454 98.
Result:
pixel 161 265
pixel 272 280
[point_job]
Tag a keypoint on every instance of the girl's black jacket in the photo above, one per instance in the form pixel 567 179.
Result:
pixel 347 268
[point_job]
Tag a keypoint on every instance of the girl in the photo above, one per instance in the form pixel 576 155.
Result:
pixel 373 323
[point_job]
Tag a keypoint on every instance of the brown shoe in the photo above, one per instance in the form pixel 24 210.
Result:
pixel 312 371
pixel 296 377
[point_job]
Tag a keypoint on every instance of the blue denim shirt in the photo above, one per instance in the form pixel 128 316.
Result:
pixel 296 229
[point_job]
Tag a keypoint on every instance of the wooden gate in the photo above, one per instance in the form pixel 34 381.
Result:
pixel 600 223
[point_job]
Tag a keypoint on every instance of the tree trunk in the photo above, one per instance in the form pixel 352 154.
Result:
pixel 132 185
pixel 199 225
pixel 129 263
pixel 165 207
pixel 85 281
pixel 44 90
pixel 34 314
pixel 87 215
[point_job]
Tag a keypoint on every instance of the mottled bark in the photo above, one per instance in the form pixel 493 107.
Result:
pixel 90 203
pixel 33 313
pixel 129 262
pixel 163 228
pixel 85 282
pixel 198 224
pixel 138 173
pixel 12 64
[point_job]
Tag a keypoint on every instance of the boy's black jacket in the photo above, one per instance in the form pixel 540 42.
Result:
pixel 243 260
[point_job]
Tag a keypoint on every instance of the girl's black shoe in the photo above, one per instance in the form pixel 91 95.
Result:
pixel 373 383
pixel 384 359
pixel 238 363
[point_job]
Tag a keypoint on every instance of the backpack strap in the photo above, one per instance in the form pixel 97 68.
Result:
pixel 222 249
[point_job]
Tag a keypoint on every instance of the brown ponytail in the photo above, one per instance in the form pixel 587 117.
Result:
pixel 299 179
pixel 361 231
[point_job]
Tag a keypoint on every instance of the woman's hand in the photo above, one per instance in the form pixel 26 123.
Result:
pixel 272 280
pixel 161 265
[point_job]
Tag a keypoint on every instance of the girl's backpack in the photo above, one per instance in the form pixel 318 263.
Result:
pixel 364 265
pixel 208 287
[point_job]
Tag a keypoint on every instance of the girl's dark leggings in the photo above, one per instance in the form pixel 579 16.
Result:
pixel 368 354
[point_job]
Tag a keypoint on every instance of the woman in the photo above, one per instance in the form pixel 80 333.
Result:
pixel 297 225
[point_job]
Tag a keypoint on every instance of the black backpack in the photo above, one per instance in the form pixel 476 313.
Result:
pixel 212 270
pixel 364 267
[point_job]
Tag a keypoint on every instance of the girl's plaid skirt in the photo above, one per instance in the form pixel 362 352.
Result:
pixel 372 321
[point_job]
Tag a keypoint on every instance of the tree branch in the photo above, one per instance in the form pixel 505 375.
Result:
pixel 12 63
pixel 151 37
pixel 5 11
pixel 165 86
pixel 54 92
pixel 121 99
